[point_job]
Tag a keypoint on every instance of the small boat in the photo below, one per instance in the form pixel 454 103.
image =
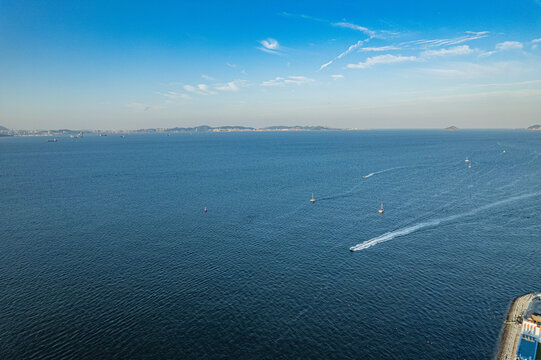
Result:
pixel 381 209
pixel 467 160
pixel 51 140
pixel 312 200
pixel 103 134
pixel 469 166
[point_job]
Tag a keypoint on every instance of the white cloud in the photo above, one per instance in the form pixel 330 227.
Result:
pixel 382 59
pixel 535 43
pixel 201 89
pixel 270 46
pixel 230 86
pixel 234 85
pixel 231 65
pixel 206 77
pixel 325 65
pixel 349 49
pixel 280 81
pixel 446 42
pixel 536 40
pixel 381 48
pixel 469 70
pixel 456 50
pixel 174 95
pixel 509 45
pixel 337 76
pixel 347 25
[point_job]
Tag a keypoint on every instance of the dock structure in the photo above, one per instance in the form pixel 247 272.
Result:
pixel 517 329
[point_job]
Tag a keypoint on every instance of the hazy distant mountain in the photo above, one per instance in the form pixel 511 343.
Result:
pixel 534 127
pixel 312 128
pixel 3 128
pixel 198 129
pixel 451 128
pixel 205 128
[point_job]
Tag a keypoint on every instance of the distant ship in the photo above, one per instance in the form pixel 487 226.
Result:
pixel 467 160
pixel 381 209
pixel 51 140
pixel 469 166
pixel 312 200
pixel 101 134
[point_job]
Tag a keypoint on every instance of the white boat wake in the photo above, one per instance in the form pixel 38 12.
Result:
pixel 382 171
pixel 408 230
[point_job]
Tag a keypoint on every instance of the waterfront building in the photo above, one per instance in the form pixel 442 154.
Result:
pixel 528 346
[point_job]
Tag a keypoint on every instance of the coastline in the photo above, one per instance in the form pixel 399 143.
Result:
pixel 510 333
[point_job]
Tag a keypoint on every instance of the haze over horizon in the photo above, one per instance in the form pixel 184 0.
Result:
pixel 365 65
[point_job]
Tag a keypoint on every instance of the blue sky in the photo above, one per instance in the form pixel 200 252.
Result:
pixel 384 64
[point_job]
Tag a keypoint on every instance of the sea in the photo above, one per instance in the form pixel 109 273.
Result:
pixel 106 251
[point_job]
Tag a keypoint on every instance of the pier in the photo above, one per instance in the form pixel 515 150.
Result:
pixel 510 335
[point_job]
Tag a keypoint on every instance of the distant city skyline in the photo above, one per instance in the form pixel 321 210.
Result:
pixel 386 64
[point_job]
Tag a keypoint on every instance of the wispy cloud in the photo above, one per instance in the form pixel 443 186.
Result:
pixel 382 59
pixel 207 77
pixel 231 65
pixel 303 16
pixel 535 43
pixel 173 95
pixel 362 29
pixel 469 70
pixel 380 48
pixel 201 89
pixel 270 46
pixel 453 51
pixel 470 35
pixel 337 76
pixel 509 45
pixel 341 55
pixel 280 81
pixel 232 85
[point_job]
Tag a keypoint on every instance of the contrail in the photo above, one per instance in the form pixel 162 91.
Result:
pixel 408 230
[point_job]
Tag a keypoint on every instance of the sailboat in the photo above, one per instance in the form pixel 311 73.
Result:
pixel 381 209
pixel 312 200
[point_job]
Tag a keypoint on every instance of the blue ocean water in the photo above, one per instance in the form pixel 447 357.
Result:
pixel 106 252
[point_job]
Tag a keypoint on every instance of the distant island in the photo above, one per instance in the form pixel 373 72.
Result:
pixel 197 129
pixel 451 128
pixel 534 127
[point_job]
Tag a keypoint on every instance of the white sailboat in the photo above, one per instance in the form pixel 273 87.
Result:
pixel 381 209
pixel 312 200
